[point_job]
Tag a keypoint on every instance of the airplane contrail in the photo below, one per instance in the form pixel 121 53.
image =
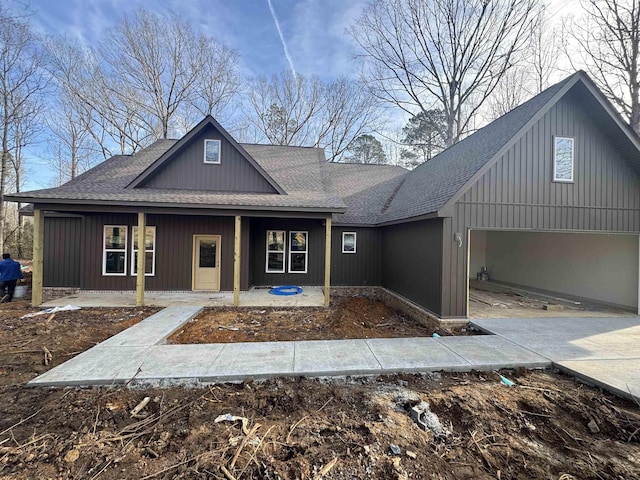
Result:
pixel 284 45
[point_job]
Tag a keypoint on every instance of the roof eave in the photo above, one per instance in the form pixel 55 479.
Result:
pixel 73 201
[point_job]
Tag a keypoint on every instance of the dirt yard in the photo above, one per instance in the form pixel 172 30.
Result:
pixel 352 317
pixel 547 427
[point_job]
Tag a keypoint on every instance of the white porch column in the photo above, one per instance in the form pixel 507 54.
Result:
pixel 38 255
pixel 142 227
pixel 236 261
pixel 327 262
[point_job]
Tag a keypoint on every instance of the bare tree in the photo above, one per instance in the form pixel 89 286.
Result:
pixel 154 77
pixel 444 54
pixel 285 108
pixel 608 40
pixel 169 66
pixel 295 110
pixel 71 146
pixel 22 79
pixel 348 112
pixel 515 87
pixel 219 80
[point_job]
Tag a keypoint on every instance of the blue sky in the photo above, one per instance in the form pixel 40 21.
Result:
pixel 313 30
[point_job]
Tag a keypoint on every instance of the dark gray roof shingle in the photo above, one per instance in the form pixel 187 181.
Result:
pixel 364 188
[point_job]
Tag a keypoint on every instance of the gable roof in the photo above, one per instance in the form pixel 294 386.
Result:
pixel 299 171
pixel 166 157
pixel 433 186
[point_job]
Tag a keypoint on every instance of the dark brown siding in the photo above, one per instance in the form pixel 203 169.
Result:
pixel 361 268
pixel 315 265
pixel 517 192
pixel 62 251
pixel 188 170
pixel 174 251
pixel 412 262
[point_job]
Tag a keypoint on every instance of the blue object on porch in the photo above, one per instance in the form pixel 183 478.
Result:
pixel 286 290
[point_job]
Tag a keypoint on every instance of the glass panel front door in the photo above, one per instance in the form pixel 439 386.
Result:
pixel 206 262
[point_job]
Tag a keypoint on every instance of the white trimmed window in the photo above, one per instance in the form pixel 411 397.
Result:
pixel 275 251
pixel 349 242
pixel 114 250
pixel 149 251
pixel 298 249
pixel 562 159
pixel 212 151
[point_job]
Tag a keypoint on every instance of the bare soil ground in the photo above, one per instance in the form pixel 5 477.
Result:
pixel 351 317
pixel 548 427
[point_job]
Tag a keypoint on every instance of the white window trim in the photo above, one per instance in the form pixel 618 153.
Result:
pixel 555 151
pixel 104 251
pixel 284 253
pixel 134 250
pixel 355 242
pixel 306 251
pixel 205 151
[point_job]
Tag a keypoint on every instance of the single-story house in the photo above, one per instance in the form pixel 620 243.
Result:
pixel 546 197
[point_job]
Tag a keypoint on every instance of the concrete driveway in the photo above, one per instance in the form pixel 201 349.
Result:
pixel 601 351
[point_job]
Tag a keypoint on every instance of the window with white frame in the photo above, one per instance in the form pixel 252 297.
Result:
pixel 275 251
pixel 348 242
pixel 562 159
pixel 298 249
pixel 149 251
pixel 114 250
pixel 212 151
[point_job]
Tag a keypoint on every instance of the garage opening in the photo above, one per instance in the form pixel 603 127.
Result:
pixel 589 270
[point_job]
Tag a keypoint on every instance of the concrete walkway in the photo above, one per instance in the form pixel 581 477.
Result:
pixel 140 354
pixel 602 351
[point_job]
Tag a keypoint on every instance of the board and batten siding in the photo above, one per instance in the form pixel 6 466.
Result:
pixel 363 268
pixel 518 192
pixel 174 251
pixel 188 171
pixel 62 251
pixel 412 262
pixel 315 255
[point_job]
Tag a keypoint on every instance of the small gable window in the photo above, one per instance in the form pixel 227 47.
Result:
pixel 348 242
pixel 563 159
pixel 212 151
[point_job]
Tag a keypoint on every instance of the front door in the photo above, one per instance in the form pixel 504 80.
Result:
pixel 206 262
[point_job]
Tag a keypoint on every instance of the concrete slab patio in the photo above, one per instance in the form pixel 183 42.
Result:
pixel 256 297
pixel 602 351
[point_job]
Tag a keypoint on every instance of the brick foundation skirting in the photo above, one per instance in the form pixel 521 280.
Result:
pixel 51 293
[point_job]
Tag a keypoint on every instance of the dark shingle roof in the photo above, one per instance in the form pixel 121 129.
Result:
pixel 431 185
pixel 298 170
pixel 364 188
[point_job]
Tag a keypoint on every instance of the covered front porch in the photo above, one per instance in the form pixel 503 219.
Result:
pixel 255 297
pixel 99 255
